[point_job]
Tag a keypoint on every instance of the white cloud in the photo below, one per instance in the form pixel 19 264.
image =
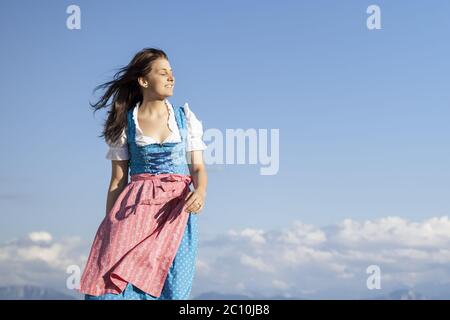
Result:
pixel 434 232
pixel 253 235
pixel 38 259
pixel 301 260
pixel 279 284
pixel 302 234
pixel 50 254
pixel 40 236
pixel 256 263
pixel 312 259
pixel 202 266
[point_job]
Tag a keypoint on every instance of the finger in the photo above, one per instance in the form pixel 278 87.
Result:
pixel 191 201
pixel 197 211
pixel 193 208
pixel 196 208
pixel 190 207
pixel 188 195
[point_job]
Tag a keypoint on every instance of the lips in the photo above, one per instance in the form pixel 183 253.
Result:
pixel 169 86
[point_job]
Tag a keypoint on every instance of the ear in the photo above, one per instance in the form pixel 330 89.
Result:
pixel 143 82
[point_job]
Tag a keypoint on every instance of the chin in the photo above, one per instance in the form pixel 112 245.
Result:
pixel 166 95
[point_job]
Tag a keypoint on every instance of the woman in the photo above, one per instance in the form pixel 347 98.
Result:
pixel 146 246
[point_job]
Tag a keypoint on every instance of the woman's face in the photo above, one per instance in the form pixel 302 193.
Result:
pixel 160 80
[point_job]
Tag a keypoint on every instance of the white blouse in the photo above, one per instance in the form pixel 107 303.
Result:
pixel 119 149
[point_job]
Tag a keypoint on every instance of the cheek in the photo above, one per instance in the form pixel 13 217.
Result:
pixel 156 83
pixel 160 82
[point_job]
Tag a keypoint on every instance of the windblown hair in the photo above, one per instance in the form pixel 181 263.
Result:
pixel 125 92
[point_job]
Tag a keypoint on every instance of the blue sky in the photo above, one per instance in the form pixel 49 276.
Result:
pixel 363 115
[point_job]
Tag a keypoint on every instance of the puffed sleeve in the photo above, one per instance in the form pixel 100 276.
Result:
pixel 119 149
pixel 195 131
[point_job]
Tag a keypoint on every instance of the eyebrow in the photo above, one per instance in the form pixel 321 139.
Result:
pixel 166 69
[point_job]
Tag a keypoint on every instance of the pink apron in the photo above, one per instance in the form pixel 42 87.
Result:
pixel 138 239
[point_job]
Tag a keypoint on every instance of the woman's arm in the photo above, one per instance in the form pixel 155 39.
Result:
pixel 119 180
pixel 199 178
pixel 195 147
pixel 198 171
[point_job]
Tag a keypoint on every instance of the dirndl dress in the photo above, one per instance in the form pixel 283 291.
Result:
pixel 146 246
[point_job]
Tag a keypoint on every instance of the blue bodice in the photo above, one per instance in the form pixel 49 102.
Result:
pixel 156 158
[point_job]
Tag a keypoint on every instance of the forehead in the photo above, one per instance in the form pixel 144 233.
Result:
pixel 160 64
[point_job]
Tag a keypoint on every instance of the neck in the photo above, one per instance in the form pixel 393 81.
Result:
pixel 155 107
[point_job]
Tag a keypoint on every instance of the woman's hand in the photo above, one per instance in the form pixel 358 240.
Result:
pixel 195 201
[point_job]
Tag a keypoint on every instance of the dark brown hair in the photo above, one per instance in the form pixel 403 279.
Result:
pixel 125 91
